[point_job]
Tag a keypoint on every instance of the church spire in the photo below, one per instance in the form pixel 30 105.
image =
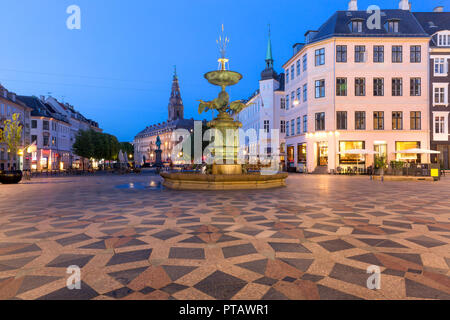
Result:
pixel 176 108
pixel 269 72
pixel 269 57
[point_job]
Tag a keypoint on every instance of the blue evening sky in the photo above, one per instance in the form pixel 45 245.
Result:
pixel 118 68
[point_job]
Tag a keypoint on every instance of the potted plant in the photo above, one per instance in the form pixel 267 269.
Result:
pixel 380 165
pixel 11 135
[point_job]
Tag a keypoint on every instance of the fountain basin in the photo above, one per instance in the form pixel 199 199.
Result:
pixel 223 78
pixel 196 181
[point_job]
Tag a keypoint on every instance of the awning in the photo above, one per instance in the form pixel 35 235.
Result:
pixel 417 151
pixel 358 151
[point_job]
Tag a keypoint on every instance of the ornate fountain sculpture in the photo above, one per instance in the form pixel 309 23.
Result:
pixel 226 170
pixel 225 150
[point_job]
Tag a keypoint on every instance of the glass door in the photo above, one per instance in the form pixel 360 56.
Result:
pixel 322 153
pixel 381 154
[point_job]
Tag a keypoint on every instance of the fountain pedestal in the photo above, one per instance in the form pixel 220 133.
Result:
pixel 158 159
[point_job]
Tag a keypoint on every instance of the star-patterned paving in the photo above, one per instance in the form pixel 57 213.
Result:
pixel 314 239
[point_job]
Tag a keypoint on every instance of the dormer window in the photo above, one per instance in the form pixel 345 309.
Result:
pixel 356 25
pixel 443 39
pixel 392 26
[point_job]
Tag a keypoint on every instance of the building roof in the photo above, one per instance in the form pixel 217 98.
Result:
pixel 433 22
pixel 41 109
pixel 159 128
pixel 10 96
pixel 338 25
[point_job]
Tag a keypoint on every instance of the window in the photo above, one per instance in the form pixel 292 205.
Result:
pixel 299 95
pixel 287 75
pixel 378 87
pixel 378 120
pixel 341 53
pixel 439 66
pixel 34 138
pixel 360 87
pixel 305 92
pixel 305 62
pixel 360 53
pixel 356 26
pixel 266 126
pixel 320 57
pixel 439 125
pixel 349 158
pixel 292 99
pixel 301 153
pixel 341 87
pixel 298 67
pixel 360 120
pixel 392 26
pixel 287 102
pixel 378 54
pixel 320 121
pixel 416 120
pixel 292 72
pixel 397 54
pixel 33 124
pixel 53 141
pixel 283 126
pixel 397 87
pixel 299 125
pixel 407 145
pixel 440 93
pixel 305 123
pixel 282 103
pixel 45 140
pixel 443 40
pixel 292 127
pixel 341 120
pixel 397 120
pixel 45 125
pixel 416 87
pixel 416 54
pixel 287 128
pixel 320 88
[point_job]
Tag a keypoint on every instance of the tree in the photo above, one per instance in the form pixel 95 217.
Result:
pixel 128 148
pixel 11 135
pixel 84 144
pixel 96 145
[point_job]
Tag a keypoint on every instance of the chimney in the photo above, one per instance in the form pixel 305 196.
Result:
pixel 439 9
pixel 404 5
pixel 353 5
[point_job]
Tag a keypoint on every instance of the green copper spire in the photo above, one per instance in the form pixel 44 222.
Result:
pixel 269 57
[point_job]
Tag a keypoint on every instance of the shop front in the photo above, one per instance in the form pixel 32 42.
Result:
pixel 352 161
pixel 322 154
pixel 301 157
pixel 443 158
pixel 290 158
pixel 381 155
pixel 407 157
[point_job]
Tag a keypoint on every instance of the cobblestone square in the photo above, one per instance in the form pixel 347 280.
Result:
pixel 313 239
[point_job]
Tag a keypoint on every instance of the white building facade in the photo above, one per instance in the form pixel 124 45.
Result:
pixel 265 114
pixel 351 87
